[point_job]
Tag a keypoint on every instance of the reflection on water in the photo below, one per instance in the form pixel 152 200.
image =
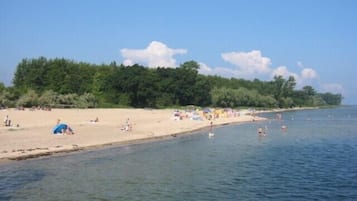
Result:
pixel 315 159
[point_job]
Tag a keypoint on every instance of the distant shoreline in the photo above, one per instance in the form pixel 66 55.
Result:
pixel 33 137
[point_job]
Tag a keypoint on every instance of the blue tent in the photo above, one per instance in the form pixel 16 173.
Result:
pixel 59 128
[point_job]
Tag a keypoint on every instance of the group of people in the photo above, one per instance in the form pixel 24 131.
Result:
pixel 62 128
pixel 127 126
pixel 263 131
pixel 8 122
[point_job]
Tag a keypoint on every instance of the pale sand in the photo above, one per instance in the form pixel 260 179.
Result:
pixel 34 136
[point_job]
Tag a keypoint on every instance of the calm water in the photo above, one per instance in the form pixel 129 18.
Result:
pixel 316 159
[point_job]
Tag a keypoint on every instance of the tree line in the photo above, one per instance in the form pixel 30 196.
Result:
pixel 61 82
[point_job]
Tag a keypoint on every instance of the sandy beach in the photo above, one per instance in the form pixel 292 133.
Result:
pixel 30 134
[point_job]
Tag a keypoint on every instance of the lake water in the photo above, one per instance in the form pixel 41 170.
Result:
pixel 315 159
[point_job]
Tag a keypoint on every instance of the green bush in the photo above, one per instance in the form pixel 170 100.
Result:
pixel 28 100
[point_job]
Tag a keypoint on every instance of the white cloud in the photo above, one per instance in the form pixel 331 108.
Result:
pixel 227 72
pixel 248 63
pixel 284 72
pixel 254 64
pixel 220 71
pixel 306 77
pixel 308 73
pixel 205 69
pixel 157 54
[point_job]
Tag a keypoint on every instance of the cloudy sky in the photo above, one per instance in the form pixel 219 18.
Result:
pixel 313 40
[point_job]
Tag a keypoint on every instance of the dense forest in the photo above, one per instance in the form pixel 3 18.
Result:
pixel 66 83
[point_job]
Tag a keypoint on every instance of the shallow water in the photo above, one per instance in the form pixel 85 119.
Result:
pixel 315 159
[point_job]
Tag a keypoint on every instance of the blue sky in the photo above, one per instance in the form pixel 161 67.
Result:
pixel 313 40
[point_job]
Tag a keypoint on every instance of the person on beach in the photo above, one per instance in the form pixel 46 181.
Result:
pixel 95 120
pixel 69 131
pixel 127 126
pixel 7 121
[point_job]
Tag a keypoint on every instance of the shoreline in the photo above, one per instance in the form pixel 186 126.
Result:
pixel 32 139
pixel 113 144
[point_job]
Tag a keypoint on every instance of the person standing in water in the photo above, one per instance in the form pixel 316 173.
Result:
pixel 211 134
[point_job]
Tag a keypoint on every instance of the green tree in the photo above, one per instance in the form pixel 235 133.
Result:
pixel 2 87
pixel 68 83
pixel 309 90
pixel 331 99
pixel 166 86
pixel 185 78
pixel 30 74
pixel 317 100
pixel 202 91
